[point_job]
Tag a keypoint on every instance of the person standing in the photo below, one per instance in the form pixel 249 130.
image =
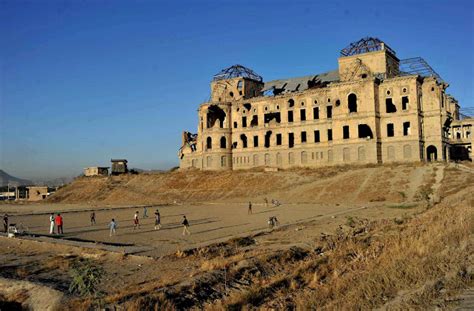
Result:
pixel 185 226
pixel 51 223
pixel 145 212
pixel 5 223
pixel 157 220
pixel 59 223
pixel 113 227
pixel 250 209
pixel 92 218
pixel 136 222
pixel 266 202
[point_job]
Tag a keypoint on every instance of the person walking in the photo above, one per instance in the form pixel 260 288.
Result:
pixel 92 218
pixel 113 227
pixel 51 223
pixel 5 223
pixel 145 212
pixel 157 220
pixel 136 222
pixel 59 223
pixel 185 226
pixel 249 212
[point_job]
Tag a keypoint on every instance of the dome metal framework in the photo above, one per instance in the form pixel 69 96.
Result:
pixel 418 66
pixel 237 71
pixel 365 45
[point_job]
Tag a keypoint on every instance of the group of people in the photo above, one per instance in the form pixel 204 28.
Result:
pixel 136 221
pixel 56 222
pixel 272 220
pixel 275 203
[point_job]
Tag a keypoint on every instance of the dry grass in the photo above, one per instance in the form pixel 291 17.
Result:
pixel 300 184
pixel 401 266
pixel 403 263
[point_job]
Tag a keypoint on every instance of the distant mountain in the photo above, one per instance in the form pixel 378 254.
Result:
pixel 6 179
pixel 60 181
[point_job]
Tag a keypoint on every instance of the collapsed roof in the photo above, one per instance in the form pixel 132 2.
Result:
pixel 299 84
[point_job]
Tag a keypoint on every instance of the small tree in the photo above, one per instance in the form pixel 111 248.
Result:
pixel 85 278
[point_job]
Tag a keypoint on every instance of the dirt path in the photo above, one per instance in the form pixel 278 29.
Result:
pixel 466 300
pixel 416 179
pixel 438 180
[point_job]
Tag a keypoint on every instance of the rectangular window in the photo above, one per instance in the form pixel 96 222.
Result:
pixel 329 134
pixel 406 128
pixel 316 113
pixel 345 131
pixel 254 121
pixel 290 116
pixel 390 130
pixel 244 121
pixel 390 106
pixel 302 115
pixel 267 139
pixel 291 140
pixel 278 139
pixel 329 112
pixel 317 138
pixel 255 141
pixel 303 137
pixel 404 102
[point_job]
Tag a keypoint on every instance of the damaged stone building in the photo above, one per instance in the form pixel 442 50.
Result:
pixel 374 108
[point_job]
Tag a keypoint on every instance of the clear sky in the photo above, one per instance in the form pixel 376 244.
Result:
pixel 85 81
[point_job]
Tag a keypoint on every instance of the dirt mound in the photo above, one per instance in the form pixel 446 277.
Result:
pixel 24 295
pixel 325 185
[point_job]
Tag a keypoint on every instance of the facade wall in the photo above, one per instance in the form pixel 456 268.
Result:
pixel 372 120
pixel 37 193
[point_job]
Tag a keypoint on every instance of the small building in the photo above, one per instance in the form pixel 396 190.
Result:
pixel 96 171
pixel 461 139
pixel 119 166
pixel 7 193
pixel 36 193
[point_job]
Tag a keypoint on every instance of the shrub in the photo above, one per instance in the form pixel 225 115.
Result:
pixel 85 278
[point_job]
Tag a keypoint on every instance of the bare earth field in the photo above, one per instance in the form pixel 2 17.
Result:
pixel 349 238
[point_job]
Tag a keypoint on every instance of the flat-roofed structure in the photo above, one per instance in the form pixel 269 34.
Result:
pixel 96 171
pixel 119 166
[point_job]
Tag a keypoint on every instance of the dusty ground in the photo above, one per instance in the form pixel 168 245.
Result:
pixel 165 261
pixel 208 223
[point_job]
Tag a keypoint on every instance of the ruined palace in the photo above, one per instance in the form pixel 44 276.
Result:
pixel 374 108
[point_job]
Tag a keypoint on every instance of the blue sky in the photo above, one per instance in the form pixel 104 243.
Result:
pixel 85 81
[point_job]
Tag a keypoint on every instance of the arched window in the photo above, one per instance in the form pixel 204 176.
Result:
pixel 352 102
pixel 209 143
pixel 223 142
